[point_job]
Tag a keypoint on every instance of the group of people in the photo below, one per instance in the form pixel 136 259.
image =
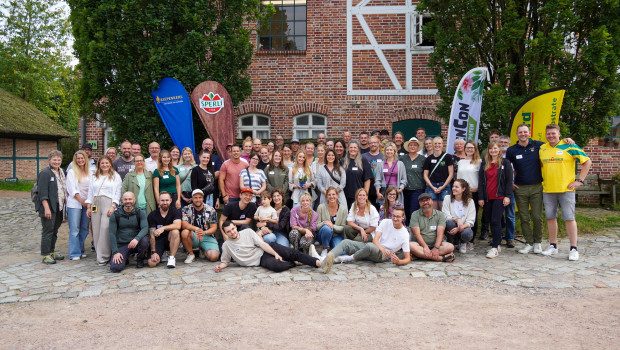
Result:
pixel 371 198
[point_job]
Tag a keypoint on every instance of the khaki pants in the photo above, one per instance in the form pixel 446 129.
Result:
pixel 101 228
pixel 526 196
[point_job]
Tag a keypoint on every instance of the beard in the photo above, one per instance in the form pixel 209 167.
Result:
pixel 164 207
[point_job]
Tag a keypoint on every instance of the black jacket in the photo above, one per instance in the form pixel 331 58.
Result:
pixel 47 184
pixel 504 180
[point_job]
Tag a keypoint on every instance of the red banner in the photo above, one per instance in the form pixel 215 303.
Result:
pixel 215 109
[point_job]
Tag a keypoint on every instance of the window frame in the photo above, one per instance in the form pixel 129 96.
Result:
pixel 255 127
pixel 310 127
pixel 284 37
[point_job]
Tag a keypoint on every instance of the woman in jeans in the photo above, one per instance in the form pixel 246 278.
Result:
pixel 438 173
pixel 332 220
pixel 495 187
pixel 460 213
pixel 104 194
pixel 414 167
pixel 468 168
pixel 253 178
pixel 185 170
pixel 78 179
pixel 278 232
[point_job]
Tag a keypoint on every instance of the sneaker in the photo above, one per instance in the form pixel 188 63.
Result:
pixel 510 243
pixel 550 251
pixel 312 252
pixel 164 256
pixel 83 256
pixel 49 259
pixel 190 258
pixel 346 258
pixel 526 249
pixel 573 255
pixel 324 253
pixel 92 247
pixel 463 248
pixel 139 263
pixel 102 263
pixel 493 253
pixel 75 258
pixel 470 246
pixel 327 263
pixel 537 248
pixel 171 262
pixel 57 256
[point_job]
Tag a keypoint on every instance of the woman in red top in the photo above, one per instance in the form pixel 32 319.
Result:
pixel 494 191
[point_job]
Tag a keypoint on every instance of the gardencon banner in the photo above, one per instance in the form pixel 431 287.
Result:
pixel 537 111
pixel 175 109
pixel 465 115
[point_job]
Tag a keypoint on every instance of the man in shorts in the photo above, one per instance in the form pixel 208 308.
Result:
pixel 557 161
pixel 164 231
pixel 199 226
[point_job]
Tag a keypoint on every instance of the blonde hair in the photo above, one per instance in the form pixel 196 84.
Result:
pixel 193 161
pixel 306 167
pixel 393 145
pixel 475 158
pixel 110 172
pixel 160 164
pixel 355 208
pixel 488 159
pixel 79 173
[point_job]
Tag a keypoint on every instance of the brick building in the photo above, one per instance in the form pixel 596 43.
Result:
pixel 27 136
pixel 345 65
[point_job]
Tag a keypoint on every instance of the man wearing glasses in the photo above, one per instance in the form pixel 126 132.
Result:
pixel 151 162
pixel 428 226
pixel 390 237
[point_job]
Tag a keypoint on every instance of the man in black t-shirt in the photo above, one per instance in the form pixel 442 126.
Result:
pixel 164 225
pixel 124 163
pixel 241 212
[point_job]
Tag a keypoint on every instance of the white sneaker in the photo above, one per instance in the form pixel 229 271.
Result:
pixel 312 252
pixel 470 246
pixel 345 258
pixel 526 249
pixel 493 253
pixel 75 258
pixel 324 253
pixel 463 248
pixel 190 258
pixel 573 255
pixel 537 248
pixel 172 261
pixel 550 251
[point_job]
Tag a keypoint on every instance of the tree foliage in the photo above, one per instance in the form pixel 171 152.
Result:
pixel 34 57
pixel 126 46
pixel 529 46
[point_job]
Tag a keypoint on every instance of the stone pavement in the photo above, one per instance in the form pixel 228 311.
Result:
pixel 24 278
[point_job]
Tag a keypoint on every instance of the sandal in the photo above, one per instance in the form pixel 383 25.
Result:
pixel 448 258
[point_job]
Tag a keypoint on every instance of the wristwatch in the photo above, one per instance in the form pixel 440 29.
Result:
pixel 579 180
pixel 436 247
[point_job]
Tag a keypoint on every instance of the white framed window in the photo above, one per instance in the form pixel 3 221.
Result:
pixel 254 125
pixel 419 41
pixel 309 125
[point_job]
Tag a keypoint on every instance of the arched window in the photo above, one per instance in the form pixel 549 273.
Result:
pixel 309 125
pixel 254 125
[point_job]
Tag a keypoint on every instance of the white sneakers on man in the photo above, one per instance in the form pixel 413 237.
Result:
pixel 526 249
pixel 550 251
pixel 172 262
pixel 493 253
pixel 573 255
pixel 537 248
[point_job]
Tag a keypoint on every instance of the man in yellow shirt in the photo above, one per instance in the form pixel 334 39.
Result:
pixel 558 170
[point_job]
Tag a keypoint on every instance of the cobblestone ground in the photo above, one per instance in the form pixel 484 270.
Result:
pixel 24 278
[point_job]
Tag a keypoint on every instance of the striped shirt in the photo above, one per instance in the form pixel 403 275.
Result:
pixel 558 166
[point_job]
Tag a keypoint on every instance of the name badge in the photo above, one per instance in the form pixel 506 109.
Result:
pixel 354 168
pixel 272 172
pixel 559 152
pixel 434 228
pixel 519 156
pixel 131 168
pixel 164 177
pixel 385 170
pixel 414 166
pixel 213 163
pixel 242 217
pixel 51 179
pixel 237 249
pixel 158 226
pixel 433 160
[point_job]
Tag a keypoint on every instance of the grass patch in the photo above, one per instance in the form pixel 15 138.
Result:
pixel 16 186
pixel 588 224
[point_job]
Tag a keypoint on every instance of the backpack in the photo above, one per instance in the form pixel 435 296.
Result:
pixel 34 194
pixel 118 219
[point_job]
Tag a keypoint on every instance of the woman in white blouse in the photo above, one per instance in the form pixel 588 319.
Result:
pixel 104 193
pixel 460 213
pixel 467 169
pixel 363 218
pixel 78 179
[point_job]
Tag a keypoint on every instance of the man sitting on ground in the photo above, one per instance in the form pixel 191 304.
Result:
pixel 428 226
pixel 249 250
pixel 164 229
pixel 390 237
pixel 240 213
pixel 199 226
pixel 127 232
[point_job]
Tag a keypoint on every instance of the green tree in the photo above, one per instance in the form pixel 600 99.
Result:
pixel 529 46
pixel 34 57
pixel 126 46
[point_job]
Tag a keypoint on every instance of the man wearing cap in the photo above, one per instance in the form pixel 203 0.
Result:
pixel 428 226
pixel 414 167
pixel 364 146
pixel 151 162
pixel 199 223
pixel 92 163
pixel 164 231
pixel 229 175
pixel 240 212
pixel 250 250
pixel 294 146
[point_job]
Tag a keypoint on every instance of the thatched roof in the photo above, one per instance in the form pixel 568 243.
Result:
pixel 19 118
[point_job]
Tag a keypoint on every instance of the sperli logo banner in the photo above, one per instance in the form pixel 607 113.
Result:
pixel 211 103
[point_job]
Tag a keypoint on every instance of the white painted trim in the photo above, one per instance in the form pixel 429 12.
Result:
pixel 379 52
pixel 413 92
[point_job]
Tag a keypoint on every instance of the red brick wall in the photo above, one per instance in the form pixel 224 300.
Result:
pixel 93 132
pixel 25 169
pixel 605 163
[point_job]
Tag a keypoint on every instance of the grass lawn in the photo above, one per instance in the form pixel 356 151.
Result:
pixel 16 186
